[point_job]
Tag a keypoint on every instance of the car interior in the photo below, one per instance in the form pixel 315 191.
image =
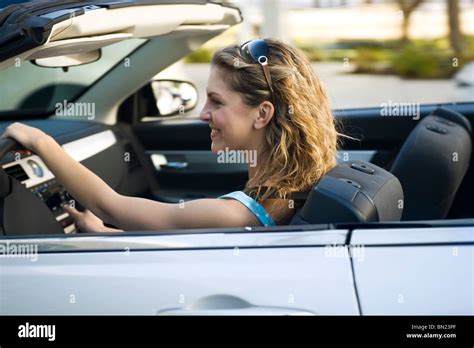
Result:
pixel 409 176
pixel 395 170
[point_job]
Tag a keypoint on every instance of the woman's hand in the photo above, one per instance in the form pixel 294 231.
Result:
pixel 27 136
pixel 86 221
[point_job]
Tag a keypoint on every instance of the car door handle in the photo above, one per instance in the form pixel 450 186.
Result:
pixel 174 165
pixel 160 162
pixel 230 305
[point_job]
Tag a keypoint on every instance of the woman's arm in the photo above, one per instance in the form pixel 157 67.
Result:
pixel 85 186
pixel 127 213
pixel 86 221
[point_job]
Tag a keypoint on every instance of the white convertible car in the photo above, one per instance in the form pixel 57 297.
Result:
pixel 81 72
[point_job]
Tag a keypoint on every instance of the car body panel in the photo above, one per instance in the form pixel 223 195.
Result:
pixel 415 236
pixel 420 271
pixel 148 274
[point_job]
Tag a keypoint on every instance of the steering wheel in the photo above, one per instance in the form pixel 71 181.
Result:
pixel 21 211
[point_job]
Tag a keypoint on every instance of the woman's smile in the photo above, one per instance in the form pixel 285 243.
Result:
pixel 215 133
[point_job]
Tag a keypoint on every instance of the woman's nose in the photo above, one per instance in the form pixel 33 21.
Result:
pixel 205 115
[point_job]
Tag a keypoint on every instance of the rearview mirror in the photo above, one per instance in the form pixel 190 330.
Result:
pixel 69 60
pixel 174 97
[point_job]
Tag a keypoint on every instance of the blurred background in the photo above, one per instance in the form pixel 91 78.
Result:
pixel 366 52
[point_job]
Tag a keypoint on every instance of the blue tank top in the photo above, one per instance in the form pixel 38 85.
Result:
pixel 256 208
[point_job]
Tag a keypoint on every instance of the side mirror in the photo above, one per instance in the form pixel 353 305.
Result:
pixel 173 97
pixel 69 60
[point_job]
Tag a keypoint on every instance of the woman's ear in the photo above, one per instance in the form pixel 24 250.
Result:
pixel 265 114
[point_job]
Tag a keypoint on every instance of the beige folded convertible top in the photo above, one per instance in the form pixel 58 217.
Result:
pixel 101 27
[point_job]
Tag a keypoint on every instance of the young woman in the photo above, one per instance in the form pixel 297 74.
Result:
pixel 263 97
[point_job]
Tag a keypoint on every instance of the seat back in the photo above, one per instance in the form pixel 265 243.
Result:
pixel 353 191
pixel 432 163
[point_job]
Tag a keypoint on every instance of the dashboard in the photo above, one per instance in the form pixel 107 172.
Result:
pixel 103 149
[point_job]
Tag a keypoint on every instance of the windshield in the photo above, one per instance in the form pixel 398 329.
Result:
pixel 32 89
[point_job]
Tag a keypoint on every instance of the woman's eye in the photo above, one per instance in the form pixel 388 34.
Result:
pixel 216 102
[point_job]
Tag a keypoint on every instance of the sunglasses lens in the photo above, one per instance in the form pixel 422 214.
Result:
pixel 245 52
pixel 257 50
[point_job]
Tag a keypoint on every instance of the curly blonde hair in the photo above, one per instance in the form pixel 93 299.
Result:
pixel 301 139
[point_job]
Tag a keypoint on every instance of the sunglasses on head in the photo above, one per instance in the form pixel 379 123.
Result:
pixel 257 51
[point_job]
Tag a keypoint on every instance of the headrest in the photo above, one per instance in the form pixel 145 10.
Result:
pixel 432 163
pixel 353 191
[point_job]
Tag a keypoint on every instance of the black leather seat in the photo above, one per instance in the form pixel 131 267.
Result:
pixel 432 163
pixel 353 191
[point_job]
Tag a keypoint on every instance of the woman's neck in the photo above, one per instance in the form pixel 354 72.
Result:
pixel 260 158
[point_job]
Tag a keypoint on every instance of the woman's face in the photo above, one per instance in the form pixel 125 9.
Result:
pixel 231 121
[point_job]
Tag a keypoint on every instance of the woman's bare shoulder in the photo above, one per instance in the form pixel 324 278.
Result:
pixel 281 210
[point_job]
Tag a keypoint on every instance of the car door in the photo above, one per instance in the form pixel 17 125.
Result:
pixel 244 271
pixel 415 271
